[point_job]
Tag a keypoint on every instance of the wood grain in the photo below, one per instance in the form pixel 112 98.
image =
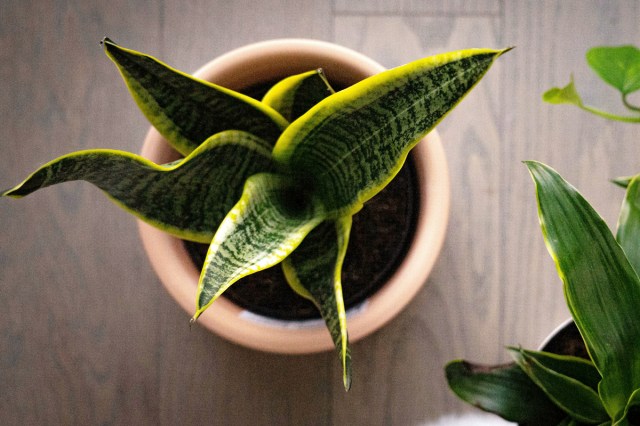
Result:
pixel 89 336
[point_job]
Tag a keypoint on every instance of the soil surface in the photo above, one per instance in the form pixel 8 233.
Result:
pixel 568 341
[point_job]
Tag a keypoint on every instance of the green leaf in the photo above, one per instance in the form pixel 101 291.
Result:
pixel 504 390
pixel 579 369
pixel 264 227
pixel 569 95
pixel 295 95
pixel 181 198
pixel 628 233
pixel 187 110
pixel 573 422
pixel 580 401
pixel 617 65
pixel 600 285
pixel 563 95
pixel 623 181
pixel 313 270
pixel 350 145
pixel 631 415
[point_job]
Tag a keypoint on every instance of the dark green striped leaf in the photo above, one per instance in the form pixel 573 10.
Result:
pixel 187 110
pixel 504 390
pixel 580 401
pixel 351 144
pixel 600 285
pixel 188 198
pixel 264 227
pixel 295 95
pixel 313 270
pixel 628 233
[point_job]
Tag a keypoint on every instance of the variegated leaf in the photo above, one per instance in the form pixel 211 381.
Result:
pixel 504 390
pixel 268 222
pixel 631 415
pixel 577 399
pixel 188 198
pixel 313 270
pixel 185 109
pixel 577 368
pixel 295 95
pixel 349 146
pixel 628 233
pixel 600 285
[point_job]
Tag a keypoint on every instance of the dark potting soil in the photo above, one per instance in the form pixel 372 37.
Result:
pixel 380 237
pixel 567 341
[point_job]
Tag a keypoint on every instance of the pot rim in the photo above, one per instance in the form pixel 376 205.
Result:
pixel 555 332
pixel 176 271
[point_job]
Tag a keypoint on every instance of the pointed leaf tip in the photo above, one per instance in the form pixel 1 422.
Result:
pixel 505 50
pixel 106 41
pixel 347 382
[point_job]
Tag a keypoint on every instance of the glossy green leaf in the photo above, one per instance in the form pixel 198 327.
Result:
pixel 503 390
pixel 563 95
pixel 349 146
pixel 569 95
pixel 628 233
pixel 631 415
pixel 264 227
pixel 313 270
pixel 617 65
pixel 623 181
pixel 573 422
pixel 184 198
pixel 580 401
pixel 295 95
pixel 601 287
pixel 187 110
pixel 577 368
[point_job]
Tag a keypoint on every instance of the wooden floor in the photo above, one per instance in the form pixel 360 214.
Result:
pixel 89 336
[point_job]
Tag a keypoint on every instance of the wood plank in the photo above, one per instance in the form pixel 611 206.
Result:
pixel 71 275
pixel 215 30
pixel 428 7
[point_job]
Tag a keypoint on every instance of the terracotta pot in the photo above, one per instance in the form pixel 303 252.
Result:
pixel 269 61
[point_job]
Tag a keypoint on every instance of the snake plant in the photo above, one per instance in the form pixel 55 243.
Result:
pixel 270 181
pixel 602 291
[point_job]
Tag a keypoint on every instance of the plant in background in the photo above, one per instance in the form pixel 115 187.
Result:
pixel 618 66
pixel 602 291
pixel 275 180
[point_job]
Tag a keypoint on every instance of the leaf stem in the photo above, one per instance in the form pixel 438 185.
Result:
pixel 628 105
pixel 610 116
